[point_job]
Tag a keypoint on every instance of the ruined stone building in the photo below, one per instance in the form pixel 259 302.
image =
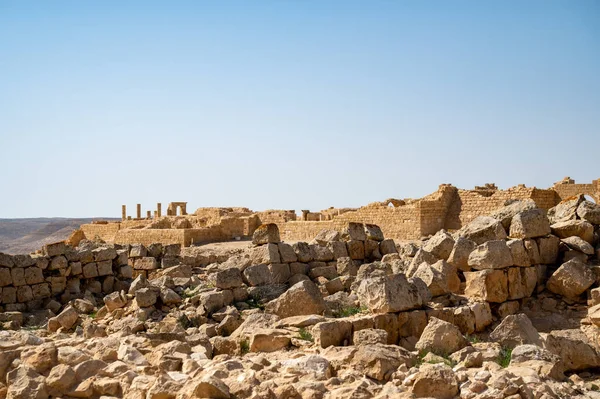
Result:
pixel 447 208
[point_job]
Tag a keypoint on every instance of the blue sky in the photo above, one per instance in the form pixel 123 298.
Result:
pixel 290 104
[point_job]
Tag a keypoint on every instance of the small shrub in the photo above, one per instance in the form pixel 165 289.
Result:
pixel 305 335
pixel 253 303
pixel 349 311
pixel 244 347
pixel 92 315
pixel 472 338
pixel 504 358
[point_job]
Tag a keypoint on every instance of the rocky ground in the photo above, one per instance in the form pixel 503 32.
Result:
pixel 506 307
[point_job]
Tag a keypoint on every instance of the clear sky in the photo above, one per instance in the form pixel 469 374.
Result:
pixel 290 104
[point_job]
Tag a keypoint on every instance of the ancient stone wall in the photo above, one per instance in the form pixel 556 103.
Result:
pixel 105 232
pixel 568 188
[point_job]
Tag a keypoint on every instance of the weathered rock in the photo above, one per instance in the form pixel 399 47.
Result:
pixel 589 212
pixel 321 254
pixel 420 257
pixel 435 381
pixel 266 233
pixel 571 279
pixel 380 361
pixel 521 282
pixel 210 387
pixel 441 338
pixel 303 252
pixel 389 294
pixel 530 224
pixel 68 317
pixel 61 379
pixel 269 340
pixel 346 267
pixel 491 255
pixel 287 253
pixel 146 297
pixel 440 245
pixel 579 228
pixel 227 279
pixel 487 285
pixel 507 212
pixel 441 277
pixel 459 256
pixel 516 330
pixel 336 332
pixel 356 249
pixel 354 232
pixel 258 275
pixel 370 336
pixel 26 383
pixel 303 298
pixel 314 365
pixel 267 253
pixel 545 363
pixel 373 232
pixel 579 244
pixel 565 211
pixel 519 254
pixel 573 347
pixel 326 236
pixel 116 300
pixel 482 229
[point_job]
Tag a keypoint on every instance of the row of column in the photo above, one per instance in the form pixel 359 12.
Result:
pixel 157 212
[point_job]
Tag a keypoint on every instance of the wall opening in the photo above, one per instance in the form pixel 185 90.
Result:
pixel 589 198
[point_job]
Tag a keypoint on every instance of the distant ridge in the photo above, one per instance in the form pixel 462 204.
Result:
pixel 25 235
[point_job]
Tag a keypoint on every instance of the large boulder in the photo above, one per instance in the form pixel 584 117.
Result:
pixel 579 228
pixel 487 285
pixel 521 282
pixel 544 362
pixel 516 330
pixel 589 212
pixel 520 256
pixel 571 279
pixel 326 236
pixel 266 233
pixel 435 381
pixel 381 361
pixel 459 256
pixel 578 244
pixel 389 294
pixel 566 210
pixel 491 255
pixel 482 229
pixel 441 338
pixel 513 207
pixel 573 347
pixel 441 277
pixel 530 224
pixel 302 298
pixel 420 257
pixel 440 245
pixel 548 249
pixel 354 232
pixel 337 332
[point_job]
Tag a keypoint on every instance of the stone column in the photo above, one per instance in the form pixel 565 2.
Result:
pixel 305 214
pixel 158 209
pixel 148 215
pixel 139 211
pixel 123 212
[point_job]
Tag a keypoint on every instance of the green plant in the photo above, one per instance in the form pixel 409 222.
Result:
pixel 472 338
pixel 349 311
pixel 504 358
pixel 244 347
pixel 92 315
pixel 305 335
pixel 253 303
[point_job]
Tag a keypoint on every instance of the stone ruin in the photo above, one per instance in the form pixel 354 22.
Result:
pixel 507 305
pixel 448 208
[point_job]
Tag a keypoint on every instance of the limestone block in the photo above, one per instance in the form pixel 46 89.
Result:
pixel 356 249
pixel 578 244
pixel 76 268
pixel 487 285
pixel 548 249
pixel 459 256
pixel 90 270
pixel 146 263
pixel 104 268
pixel 337 333
pixel 302 298
pixel 440 245
pixel 257 275
pixel 338 248
pixel 267 253
pixel 286 253
pixel 138 251
pixel 328 272
pixel 6 260
pixel 34 275
pixel 55 249
pixel 346 266
pixel 389 294
pixel 354 232
pixel 24 294
pixel 491 255
pixel 521 282
pixel 387 246
pixel 483 315
pixel 299 268
pixel 571 279
pixel 530 224
pixel 303 252
pixel 589 212
pixel 482 229
pixel 372 250
pixel 579 228
pixel 5 277
pixel 9 295
pixel 58 262
pixel 18 276
pixel 566 210
pixel 58 284
pixel 266 233
pixel 321 254
pixel 373 232
pixel 126 271
pixel 519 254
pixel 23 260
pixel 104 253
pixel 41 291
pixel 280 273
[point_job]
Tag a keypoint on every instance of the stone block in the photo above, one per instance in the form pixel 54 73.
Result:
pixel 338 249
pixel 90 270
pixel 34 275
pixel 76 268
pixel 487 285
pixel 9 295
pixel 105 268
pixel 336 333
pixel 354 232
pixel 299 268
pixel 55 249
pixel 5 277
pixel 387 246
pixel 24 294
pixel 356 249
pixel 303 252
pixel 138 251
pixel 146 263
pixel 268 253
pixel 104 253
pixel 286 253
pixel 18 276
pixel 266 233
